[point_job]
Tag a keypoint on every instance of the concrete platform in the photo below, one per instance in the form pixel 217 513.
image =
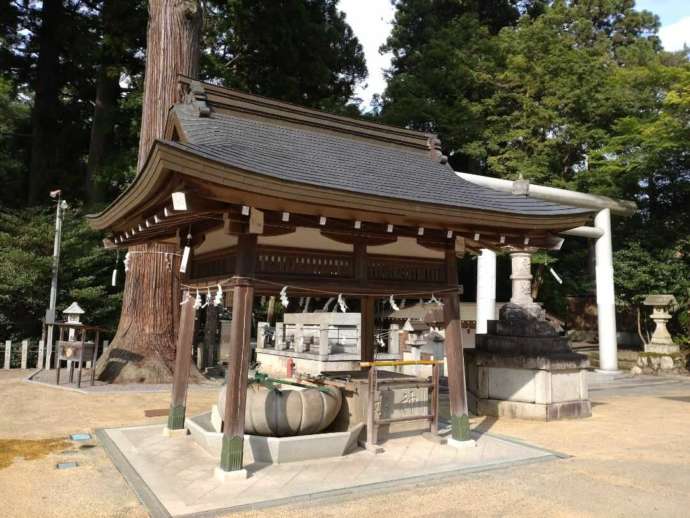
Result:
pixel 175 476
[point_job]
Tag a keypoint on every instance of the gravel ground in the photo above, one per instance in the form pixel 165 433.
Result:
pixel 631 458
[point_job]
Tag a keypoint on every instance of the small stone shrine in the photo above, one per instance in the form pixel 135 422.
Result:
pixel 522 368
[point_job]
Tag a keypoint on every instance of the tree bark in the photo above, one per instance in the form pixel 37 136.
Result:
pixel 172 48
pixel 105 106
pixel 46 103
pixel 143 349
pixel 144 345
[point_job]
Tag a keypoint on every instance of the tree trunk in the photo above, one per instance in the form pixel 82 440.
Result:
pixel 143 349
pixel 211 336
pixel 538 281
pixel 172 48
pixel 46 103
pixel 105 109
pixel 144 345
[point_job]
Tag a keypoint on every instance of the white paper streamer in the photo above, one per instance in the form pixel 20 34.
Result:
pixel 218 300
pixel 391 301
pixel 208 297
pixel 556 276
pixel 185 259
pixel 197 300
pixel 283 297
pixel 341 303
pixel 114 278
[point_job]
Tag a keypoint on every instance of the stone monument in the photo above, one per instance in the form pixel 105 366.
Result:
pixel 521 367
pixel 661 341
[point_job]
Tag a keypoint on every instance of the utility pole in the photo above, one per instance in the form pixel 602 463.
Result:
pixel 50 312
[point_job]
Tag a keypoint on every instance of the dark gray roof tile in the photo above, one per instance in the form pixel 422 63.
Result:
pixel 345 163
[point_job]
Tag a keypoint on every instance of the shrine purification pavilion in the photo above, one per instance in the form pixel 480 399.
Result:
pixel 269 195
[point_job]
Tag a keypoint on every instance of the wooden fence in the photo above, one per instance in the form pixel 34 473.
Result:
pixel 29 354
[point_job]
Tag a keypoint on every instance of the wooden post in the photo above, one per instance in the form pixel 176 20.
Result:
pixel 368 344
pixel 81 356
pixel 41 353
pixel 95 356
pixel 8 349
pixel 361 264
pixel 210 336
pixel 459 418
pixel 232 452
pixel 25 353
pixel 436 382
pixel 372 427
pixel 183 360
pixel 231 457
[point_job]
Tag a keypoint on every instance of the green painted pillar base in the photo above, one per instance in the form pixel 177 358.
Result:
pixel 232 453
pixel 460 427
pixel 176 417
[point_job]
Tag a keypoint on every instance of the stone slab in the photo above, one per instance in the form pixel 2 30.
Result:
pixel 534 411
pixel 523 345
pixel 228 476
pixel 560 361
pixel 176 476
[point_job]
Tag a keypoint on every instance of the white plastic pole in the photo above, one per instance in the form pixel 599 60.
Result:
pixel 606 307
pixel 486 289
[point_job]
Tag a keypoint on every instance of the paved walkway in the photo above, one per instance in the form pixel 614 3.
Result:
pixel 179 474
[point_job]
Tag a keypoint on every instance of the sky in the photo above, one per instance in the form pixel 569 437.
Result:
pixel 371 22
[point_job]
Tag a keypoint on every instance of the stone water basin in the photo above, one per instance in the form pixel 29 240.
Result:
pixel 282 425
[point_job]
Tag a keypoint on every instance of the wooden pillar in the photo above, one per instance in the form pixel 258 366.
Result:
pixel 231 457
pixel 367 327
pixel 368 351
pixel 183 360
pixel 459 417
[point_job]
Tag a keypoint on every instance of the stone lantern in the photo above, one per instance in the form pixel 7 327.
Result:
pixel 73 315
pixel 661 341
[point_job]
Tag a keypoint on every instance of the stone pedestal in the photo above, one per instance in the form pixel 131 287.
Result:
pixel 521 279
pixel 521 368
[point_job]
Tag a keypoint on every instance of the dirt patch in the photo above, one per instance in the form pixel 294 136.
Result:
pixel 11 449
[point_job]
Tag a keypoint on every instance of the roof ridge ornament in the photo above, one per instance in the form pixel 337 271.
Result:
pixel 196 96
pixel 434 144
pixel 521 186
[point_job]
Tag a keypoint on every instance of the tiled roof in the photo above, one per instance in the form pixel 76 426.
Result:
pixel 339 161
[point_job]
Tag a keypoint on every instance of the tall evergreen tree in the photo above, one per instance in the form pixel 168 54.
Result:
pixel 295 50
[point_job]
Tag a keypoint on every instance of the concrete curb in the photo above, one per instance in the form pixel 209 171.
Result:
pixel 148 499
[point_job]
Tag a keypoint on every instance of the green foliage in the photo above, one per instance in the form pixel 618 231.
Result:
pixel 14 117
pixel 301 51
pixel 295 50
pixel 578 95
pixel 26 247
